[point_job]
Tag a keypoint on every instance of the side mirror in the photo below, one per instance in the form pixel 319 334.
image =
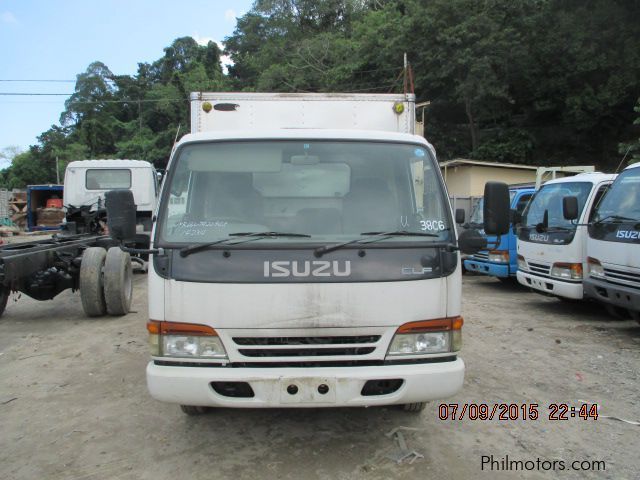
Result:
pixel 570 208
pixel 470 241
pixel 121 214
pixel 496 208
pixel 460 214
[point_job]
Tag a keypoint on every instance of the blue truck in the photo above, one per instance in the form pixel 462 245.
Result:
pixel 501 261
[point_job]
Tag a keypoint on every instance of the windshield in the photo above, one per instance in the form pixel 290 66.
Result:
pixel 622 199
pixel 477 214
pixel 107 179
pixel 549 199
pixel 330 191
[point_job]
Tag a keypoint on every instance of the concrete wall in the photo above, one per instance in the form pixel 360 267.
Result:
pixel 469 180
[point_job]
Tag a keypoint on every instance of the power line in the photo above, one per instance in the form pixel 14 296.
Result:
pixel 34 94
pixel 130 100
pixel 42 81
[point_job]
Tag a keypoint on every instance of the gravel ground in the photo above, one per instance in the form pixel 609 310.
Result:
pixel 74 404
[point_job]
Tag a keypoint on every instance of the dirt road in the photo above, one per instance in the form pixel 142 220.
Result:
pixel 74 405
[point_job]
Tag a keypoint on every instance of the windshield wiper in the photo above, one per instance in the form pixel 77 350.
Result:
pixel 372 237
pixel 196 247
pixel 269 234
pixel 620 218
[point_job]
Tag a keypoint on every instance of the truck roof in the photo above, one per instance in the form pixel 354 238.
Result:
pixel 633 165
pixel 592 177
pixel 109 163
pixel 302 133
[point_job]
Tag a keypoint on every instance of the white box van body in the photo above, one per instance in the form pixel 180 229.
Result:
pixel 613 246
pixel 306 258
pixel 552 256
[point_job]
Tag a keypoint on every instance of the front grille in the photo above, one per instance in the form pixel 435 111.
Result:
pixel 539 268
pixel 305 340
pixel 305 352
pixel 321 346
pixel 482 256
pixel 622 278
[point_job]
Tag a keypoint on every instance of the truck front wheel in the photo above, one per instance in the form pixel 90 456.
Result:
pixel 118 284
pixel 414 407
pixel 91 282
pixel 192 410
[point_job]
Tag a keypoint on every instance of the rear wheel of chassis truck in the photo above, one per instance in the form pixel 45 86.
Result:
pixel 118 284
pixel 4 296
pixel 192 410
pixel 414 407
pixel 91 282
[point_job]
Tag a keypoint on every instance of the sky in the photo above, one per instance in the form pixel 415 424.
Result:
pixel 58 39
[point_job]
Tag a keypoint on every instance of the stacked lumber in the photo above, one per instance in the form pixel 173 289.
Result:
pixel 18 209
pixel 49 217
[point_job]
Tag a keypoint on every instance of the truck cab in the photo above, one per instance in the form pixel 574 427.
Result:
pixel 551 248
pixel 613 246
pixel 311 264
pixel 87 181
pixel 501 260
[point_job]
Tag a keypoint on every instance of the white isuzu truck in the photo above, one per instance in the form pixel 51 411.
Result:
pixel 552 238
pixel 304 255
pixel 613 246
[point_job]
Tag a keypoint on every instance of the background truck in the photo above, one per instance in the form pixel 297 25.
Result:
pixel 304 255
pixel 552 241
pixel 501 260
pixel 83 257
pixel 613 247
pixel 87 181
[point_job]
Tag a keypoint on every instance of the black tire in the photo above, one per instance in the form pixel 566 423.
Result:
pixel 91 282
pixel 4 297
pixel 617 313
pixel 192 410
pixel 118 282
pixel 414 407
pixel 569 301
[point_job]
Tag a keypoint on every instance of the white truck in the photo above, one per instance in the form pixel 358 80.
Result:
pixel 613 246
pixel 87 181
pixel 304 255
pixel 551 242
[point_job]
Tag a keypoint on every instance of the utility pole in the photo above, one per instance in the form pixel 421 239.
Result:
pixel 405 73
pixel 57 171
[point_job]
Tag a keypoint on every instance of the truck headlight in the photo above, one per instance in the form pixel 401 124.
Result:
pixel 594 268
pixel 522 263
pixel 184 340
pixel 499 256
pixel 428 336
pixel 567 271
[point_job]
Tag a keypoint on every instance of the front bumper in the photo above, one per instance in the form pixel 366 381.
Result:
pixel 487 268
pixel 551 286
pixel 618 295
pixel 192 385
